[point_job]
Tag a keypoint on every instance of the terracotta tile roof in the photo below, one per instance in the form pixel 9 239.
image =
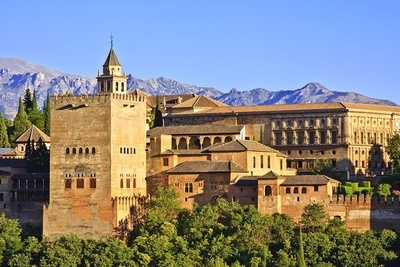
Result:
pixel 170 100
pixel 374 107
pixel 242 145
pixel 199 101
pixel 195 129
pixel 307 180
pixel 182 152
pixel 206 166
pixel 12 153
pixel 32 134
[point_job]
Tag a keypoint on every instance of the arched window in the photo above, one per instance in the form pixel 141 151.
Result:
pixel 182 143
pixel 268 190
pixel 134 150
pixel 206 142
pixel 116 86
pixel 120 150
pixel 67 150
pixel 80 150
pixel 87 150
pixel 93 150
pixel 122 87
pixel 217 140
pixel 228 139
pixel 74 150
pixel 296 190
pixel 304 190
pixel 287 190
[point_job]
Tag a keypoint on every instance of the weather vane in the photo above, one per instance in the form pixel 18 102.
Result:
pixel 112 44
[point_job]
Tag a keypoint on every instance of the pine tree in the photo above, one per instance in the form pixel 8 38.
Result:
pixel 3 133
pixel 158 120
pixel 21 122
pixel 46 115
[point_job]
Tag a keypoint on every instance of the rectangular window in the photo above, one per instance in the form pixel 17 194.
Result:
pixel 278 139
pixel 68 183
pixel 381 140
pixel 92 183
pixel 311 137
pixel 300 164
pixel 363 164
pixel 300 138
pixel 368 138
pixel 322 136
pixel 315 188
pixel 128 183
pixel 188 187
pixel 262 161
pixel 334 137
pixel 362 138
pixel 165 162
pixel 121 183
pixel 254 162
pixel 355 137
pixel 80 183
pixel 281 164
pixel 134 183
pixel 269 162
pixel 289 138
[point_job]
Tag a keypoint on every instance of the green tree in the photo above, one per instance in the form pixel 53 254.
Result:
pixel 301 262
pixel 46 115
pixel 38 156
pixel 28 104
pixel 393 149
pixel 384 190
pixel 66 251
pixel 21 122
pixel 3 133
pixel 313 218
pixel 322 166
pixel 158 119
pixel 10 238
pixel 35 115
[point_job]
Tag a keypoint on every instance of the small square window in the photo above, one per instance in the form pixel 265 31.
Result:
pixel 165 162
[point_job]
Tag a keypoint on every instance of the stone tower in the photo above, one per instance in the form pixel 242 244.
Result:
pixel 97 159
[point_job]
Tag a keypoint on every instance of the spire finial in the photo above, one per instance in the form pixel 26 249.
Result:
pixel 112 43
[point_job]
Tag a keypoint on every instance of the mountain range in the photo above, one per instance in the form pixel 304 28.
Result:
pixel 17 75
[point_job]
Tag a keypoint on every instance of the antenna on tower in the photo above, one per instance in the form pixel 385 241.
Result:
pixel 112 43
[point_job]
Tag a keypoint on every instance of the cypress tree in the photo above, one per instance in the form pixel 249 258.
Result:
pixel 35 115
pixel 301 262
pixel 158 120
pixel 28 104
pixel 21 122
pixel 46 115
pixel 3 133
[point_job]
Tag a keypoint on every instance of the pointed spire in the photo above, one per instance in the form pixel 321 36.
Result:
pixel 112 37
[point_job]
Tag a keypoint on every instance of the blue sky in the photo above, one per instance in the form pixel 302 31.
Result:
pixel 277 45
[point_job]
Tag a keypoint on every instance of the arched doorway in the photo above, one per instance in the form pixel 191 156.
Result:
pixel 268 191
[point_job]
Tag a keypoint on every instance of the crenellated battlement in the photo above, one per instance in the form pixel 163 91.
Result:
pixel 94 98
pixel 364 199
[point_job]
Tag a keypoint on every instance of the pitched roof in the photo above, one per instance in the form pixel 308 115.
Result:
pixel 196 129
pixel 270 175
pixel 182 152
pixel 111 59
pixel 206 166
pixel 307 180
pixel 200 101
pixel 32 134
pixel 168 100
pixel 247 181
pixel 242 145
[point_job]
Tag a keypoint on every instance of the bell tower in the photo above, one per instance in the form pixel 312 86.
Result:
pixel 111 80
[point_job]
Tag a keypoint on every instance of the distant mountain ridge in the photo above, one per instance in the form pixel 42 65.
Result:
pixel 17 75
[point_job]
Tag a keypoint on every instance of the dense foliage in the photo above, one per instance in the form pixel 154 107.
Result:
pixel 221 234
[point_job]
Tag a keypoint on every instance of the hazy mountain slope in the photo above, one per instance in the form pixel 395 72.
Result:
pixel 18 75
